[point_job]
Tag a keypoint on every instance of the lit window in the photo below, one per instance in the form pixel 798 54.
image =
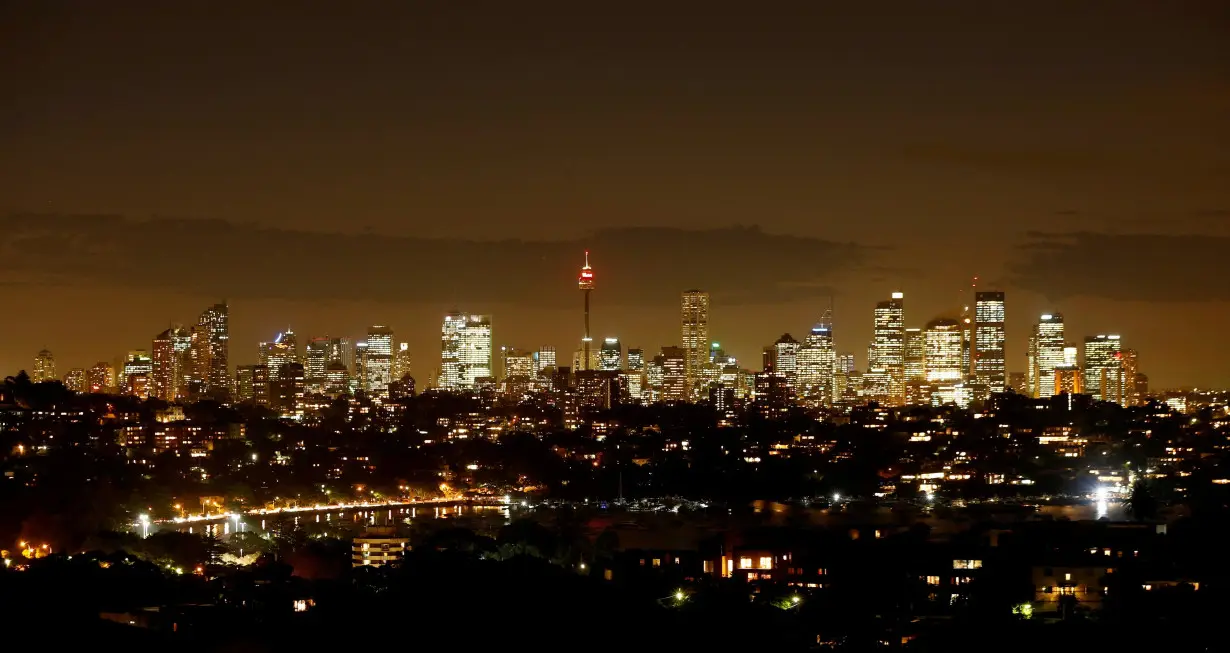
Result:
pixel 1067 576
pixel 933 580
pixel 745 563
pixel 967 564
pixel 657 562
pixel 766 562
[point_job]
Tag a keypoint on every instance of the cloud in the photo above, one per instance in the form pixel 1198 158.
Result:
pixel 744 265
pixel 1150 267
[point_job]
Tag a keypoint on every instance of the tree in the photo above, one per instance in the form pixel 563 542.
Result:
pixel 1141 503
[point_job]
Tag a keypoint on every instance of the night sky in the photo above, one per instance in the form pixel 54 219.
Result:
pixel 333 165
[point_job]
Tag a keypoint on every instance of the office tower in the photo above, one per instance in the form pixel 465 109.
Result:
pixel 544 358
pixel 198 363
pixel 887 353
pixel 634 378
pixel 401 361
pixel 694 340
pixel 216 322
pixel 100 378
pixel 287 393
pixel 359 379
pixel 138 370
pixel 316 362
pixel 915 355
pixel 580 362
pixel 252 384
pixel 611 357
pixel 342 350
pixel 989 362
pixel 379 360
pixel 169 355
pixel 1104 367
pixel 1131 393
pixel 44 367
pixel 967 343
pixel 465 350
pixel 1018 382
pixel 585 283
pixel 337 379
pixel 281 351
pixel 75 380
pixel 1068 379
pixel 519 366
pixel 786 356
pixel 845 363
pixel 768 360
pixel 1046 353
pixel 674 373
pixel 943 360
pixel 636 360
pixel 817 363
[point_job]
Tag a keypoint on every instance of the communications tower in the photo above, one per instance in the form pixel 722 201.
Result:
pixel 586 283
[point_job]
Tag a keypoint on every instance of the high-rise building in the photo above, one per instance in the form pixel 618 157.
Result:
pixel 171 360
pixel 465 350
pixel 282 351
pixel 252 384
pixel 585 283
pixel 611 356
pixel 401 361
pixel 915 355
pixel 943 357
pixel 544 358
pixel 342 350
pixel 287 394
pixel 75 380
pixel 44 367
pixel 989 362
pixel 138 371
pixel 967 343
pixel 216 321
pixel 198 363
pixel 786 356
pixel 817 361
pixel 100 379
pixel 674 374
pixel 379 365
pixel 359 379
pixel 518 364
pixel 1046 353
pixel 887 352
pixel 1131 392
pixel 316 363
pixel 694 340
pixel 1104 367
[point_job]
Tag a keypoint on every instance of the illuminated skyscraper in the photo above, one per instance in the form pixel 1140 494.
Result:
pixel 170 361
pixel 342 350
pixel 1131 392
pixel 636 360
pixel 75 380
pixel 518 364
pixel 694 334
pixel 943 359
pixel 282 351
pixel 401 361
pixel 611 357
pixel 634 378
pixel 316 363
pixel 44 367
pixel 786 356
pixel 887 352
pixel 990 364
pixel 674 373
pixel 465 350
pixel 544 358
pixel 252 384
pixel 138 370
pixel 585 282
pixel 915 355
pixel 1104 378
pixel 1047 347
pixel 216 321
pixel 100 378
pixel 379 366
pixel 817 363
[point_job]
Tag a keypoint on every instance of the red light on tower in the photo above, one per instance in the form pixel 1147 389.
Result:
pixel 586 280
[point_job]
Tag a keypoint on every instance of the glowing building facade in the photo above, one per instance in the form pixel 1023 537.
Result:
pixel 915 355
pixel 817 360
pixel 44 367
pixel 1046 353
pixel 944 358
pixel 465 350
pixel 379 367
pixel 216 324
pixel 611 356
pixel 674 373
pixel 694 335
pixel 887 351
pixel 1104 377
pixel 989 363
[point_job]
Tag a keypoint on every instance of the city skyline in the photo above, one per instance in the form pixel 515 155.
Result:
pixel 465 158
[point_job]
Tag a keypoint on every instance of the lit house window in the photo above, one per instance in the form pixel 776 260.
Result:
pixel 933 580
pixel 766 562
pixel 745 563
pixel 657 562
pixel 967 564
pixel 1067 576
